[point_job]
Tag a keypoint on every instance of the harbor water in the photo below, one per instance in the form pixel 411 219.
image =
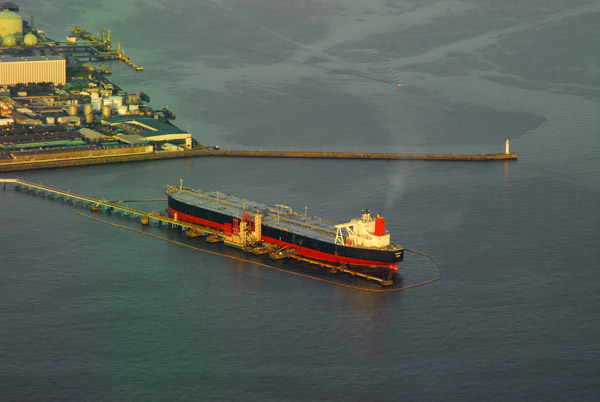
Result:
pixel 91 311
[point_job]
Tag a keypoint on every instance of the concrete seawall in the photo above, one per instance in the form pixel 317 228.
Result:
pixel 358 155
pixel 75 153
pixel 93 159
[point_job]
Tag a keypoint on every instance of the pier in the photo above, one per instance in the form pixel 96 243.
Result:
pixel 94 159
pixel 97 47
pixel 359 155
pixel 190 229
pixel 104 205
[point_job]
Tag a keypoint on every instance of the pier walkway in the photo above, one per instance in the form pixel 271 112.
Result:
pixel 357 155
pixel 104 205
pixel 93 159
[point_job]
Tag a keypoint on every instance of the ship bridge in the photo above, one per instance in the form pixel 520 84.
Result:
pixel 364 232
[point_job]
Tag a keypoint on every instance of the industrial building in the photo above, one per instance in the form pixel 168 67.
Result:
pixel 43 121
pixel 147 129
pixel 25 70
pixel 34 69
pixel 22 137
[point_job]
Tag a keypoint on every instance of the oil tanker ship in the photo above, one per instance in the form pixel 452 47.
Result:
pixel 360 242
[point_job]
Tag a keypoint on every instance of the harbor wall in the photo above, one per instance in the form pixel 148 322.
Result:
pixel 92 158
pixel 357 155
pixel 75 153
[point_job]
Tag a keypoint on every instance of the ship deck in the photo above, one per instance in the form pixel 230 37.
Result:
pixel 281 217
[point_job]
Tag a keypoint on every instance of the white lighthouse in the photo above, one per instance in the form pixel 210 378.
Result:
pixel 507 147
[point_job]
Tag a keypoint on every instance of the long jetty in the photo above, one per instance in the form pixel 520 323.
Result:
pixel 361 155
pixel 103 205
pixel 11 166
pixel 146 218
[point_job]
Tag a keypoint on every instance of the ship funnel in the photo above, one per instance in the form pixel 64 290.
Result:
pixel 379 225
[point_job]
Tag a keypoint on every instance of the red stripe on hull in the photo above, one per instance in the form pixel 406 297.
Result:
pixel 193 219
pixel 302 251
pixel 318 255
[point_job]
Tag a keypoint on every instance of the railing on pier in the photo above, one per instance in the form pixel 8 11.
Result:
pixel 107 205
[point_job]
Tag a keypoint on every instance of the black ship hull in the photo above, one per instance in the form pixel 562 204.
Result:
pixel 305 245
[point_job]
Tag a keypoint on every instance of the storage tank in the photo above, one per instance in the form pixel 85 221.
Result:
pixel 73 110
pixel 9 40
pixel 87 109
pixel 96 104
pixel 106 111
pixel 10 23
pixel 117 101
pixel 122 110
pixel 30 40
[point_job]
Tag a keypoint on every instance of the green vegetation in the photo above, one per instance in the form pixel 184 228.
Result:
pixel 77 85
pixel 83 72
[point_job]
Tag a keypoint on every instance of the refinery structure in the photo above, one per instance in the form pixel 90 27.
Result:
pixel 56 100
pixel 58 108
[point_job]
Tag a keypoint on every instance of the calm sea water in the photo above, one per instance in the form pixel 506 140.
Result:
pixel 90 311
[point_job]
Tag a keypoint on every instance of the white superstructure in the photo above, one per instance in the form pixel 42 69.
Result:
pixel 364 232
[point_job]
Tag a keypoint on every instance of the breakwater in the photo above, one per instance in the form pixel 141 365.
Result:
pixel 94 159
pixel 359 155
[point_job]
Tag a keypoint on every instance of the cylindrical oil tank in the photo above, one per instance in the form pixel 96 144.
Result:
pixel 117 101
pixel 10 23
pixel 122 110
pixel 89 118
pixel 96 103
pixel 72 110
pixel 87 109
pixel 9 40
pixel 133 108
pixel 106 111
pixel 30 39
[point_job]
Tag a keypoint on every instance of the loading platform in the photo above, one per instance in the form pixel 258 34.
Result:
pixel 191 229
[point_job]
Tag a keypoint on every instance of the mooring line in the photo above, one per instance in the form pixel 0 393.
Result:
pixel 262 264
